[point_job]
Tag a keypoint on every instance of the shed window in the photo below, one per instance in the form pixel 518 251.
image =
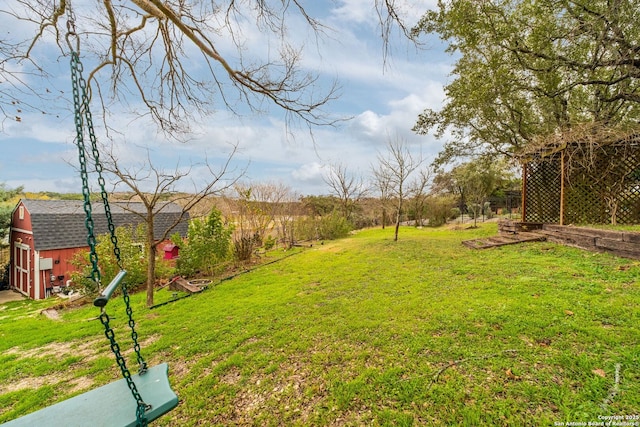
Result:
pixel 21 212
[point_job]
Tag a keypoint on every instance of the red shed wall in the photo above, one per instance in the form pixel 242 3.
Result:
pixel 21 271
pixel 61 266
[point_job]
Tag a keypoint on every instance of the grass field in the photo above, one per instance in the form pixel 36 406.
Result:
pixel 366 331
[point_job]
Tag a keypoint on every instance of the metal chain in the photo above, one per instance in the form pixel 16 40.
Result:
pixel 141 407
pixel 110 223
pixel 101 182
pixel 76 79
pixel 142 365
pixel 83 119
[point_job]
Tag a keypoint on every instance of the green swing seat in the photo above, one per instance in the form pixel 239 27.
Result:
pixel 108 406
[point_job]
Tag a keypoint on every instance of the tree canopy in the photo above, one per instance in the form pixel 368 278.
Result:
pixel 527 68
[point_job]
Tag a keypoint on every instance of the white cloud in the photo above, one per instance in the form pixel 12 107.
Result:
pixel 384 104
pixel 62 185
pixel 309 172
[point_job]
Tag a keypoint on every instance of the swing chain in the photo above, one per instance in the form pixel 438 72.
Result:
pixel 142 365
pixel 83 120
pixel 82 86
pixel 115 348
pixel 78 85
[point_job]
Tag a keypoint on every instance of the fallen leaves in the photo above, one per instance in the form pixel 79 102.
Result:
pixel 544 342
pixel 600 372
pixel 509 373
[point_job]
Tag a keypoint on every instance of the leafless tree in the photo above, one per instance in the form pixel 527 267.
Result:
pixel 180 59
pixel 418 193
pixel 286 208
pixel 347 187
pixel 397 165
pixel 382 184
pixel 153 187
pixel 253 208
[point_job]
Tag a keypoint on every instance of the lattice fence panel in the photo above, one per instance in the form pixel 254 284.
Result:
pixel 583 200
pixel 602 185
pixel 542 191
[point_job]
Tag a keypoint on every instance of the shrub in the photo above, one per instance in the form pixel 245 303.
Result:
pixel 131 254
pixel 333 226
pixel 306 228
pixel 327 227
pixel 4 277
pixel 207 246
pixel 269 243
pixel 244 246
pixel 439 209
pixel 454 213
pixel 487 210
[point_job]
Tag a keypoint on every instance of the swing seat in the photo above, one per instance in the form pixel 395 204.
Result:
pixel 108 406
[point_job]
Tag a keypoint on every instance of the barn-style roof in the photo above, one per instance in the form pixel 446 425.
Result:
pixel 60 224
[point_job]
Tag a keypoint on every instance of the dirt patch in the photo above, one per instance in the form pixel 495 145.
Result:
pixel 292 388
pixel 59 350
pixel 181 368
pixel 87 350
pixel 30 382
pixel 231 377
pixel 59 379
pixel 79 384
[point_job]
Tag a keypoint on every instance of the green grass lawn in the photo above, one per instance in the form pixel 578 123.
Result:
pixel 366 331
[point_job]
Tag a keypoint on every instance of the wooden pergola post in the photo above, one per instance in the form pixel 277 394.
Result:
pixel 524 192
pixel 562 174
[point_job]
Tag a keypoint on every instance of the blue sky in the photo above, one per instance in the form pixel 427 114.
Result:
pixel 384 102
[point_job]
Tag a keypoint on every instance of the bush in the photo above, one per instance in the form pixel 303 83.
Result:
pixel 360 221
pixel 4 277
pixel 439 209
pixel 244 246
pixel 164 269
pixel 131 253
pixel 207 247
pixel 455 213
pixel 327 227
pixel 487 210
pixel 333 226
pixel 306 228
pixel 269 243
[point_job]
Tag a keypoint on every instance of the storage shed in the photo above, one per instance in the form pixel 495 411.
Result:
pixel 45 235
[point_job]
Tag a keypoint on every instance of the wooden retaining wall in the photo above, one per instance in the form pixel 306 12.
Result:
pixel 624 244
pixel 620 243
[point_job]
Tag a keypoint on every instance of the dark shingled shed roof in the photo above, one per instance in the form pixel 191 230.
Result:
pixel 60 224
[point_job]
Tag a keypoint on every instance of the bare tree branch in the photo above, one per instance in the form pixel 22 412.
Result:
pixel 146 45
pixel 152 186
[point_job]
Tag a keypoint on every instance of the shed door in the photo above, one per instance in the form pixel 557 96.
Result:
pixel 22 277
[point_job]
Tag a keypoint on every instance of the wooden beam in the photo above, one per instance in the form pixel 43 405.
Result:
pixel 562 175
pixel 524 192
